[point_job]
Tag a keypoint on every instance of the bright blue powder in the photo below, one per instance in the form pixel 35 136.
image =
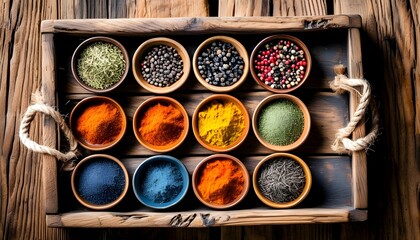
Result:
pixel 162 182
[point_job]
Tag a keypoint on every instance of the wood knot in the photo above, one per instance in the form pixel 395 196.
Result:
pixel 179 221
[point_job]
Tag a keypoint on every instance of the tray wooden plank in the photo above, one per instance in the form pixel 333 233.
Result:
pixel 49 136
pixel 182 25
pixel 355 70
pixel 339 181
pixel 205 218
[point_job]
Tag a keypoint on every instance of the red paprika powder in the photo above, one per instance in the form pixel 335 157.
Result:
pixel 161 125
pixel 99 124
pixel 221 181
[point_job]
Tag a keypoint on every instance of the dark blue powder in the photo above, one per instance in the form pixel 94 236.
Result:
pixel 100 181
pixel 161 182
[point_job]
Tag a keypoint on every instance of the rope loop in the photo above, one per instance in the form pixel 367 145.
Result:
pixel 342 142
pixel 26 121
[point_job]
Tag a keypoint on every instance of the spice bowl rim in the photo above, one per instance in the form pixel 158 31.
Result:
pixel 146 45
pixel 86 43
pixel 286 37
pixel 224 98
pixel 82 105
pixel 212 157
pixel 92 158
pixel 300 198
pixel 306 122
pixel 141 167
pixel 242 52
pixel 137 118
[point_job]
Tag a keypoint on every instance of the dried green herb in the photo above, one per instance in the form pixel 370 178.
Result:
pixel 281 180
pixel 281 122
pixel 101 65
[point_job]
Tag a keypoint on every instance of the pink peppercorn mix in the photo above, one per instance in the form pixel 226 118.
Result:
pixel 281 64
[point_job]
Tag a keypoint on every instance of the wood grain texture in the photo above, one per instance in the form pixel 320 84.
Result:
pixel 77 9
pixel 49 129
pixel 323 105
pixel 391 31
pixel 292 232
pixel 22 208
pixel 5 149
pixel 241 8
pixel 355 70
pixel 21 193
pixel 244 8
pixel 199 218
pixel 390 51
pixel 149 26
pixel 299 7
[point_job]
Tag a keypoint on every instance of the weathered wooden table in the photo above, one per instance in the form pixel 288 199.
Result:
pixel 390 59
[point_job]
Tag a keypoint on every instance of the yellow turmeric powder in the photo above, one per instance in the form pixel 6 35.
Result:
pixel 220 123
pixel 221 181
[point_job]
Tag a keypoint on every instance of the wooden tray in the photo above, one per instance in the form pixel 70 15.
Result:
pixel 339 192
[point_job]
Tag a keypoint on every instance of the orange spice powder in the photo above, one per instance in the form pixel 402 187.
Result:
pixel 161 125
pixel 99 124
pixel 221 182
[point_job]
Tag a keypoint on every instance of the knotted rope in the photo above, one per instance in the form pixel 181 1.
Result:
pixel 39 106
pixel 343 143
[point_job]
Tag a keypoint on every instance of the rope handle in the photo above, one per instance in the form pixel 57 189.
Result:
pixel 28 117
pixel 342 142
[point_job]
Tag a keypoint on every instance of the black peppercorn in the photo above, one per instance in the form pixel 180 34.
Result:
pixel 220 64
pixel 162 66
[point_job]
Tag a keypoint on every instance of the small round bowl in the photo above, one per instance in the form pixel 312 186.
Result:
pixel 198 173
pixel 88 42
pixel 305 190
pixel 242 52
pixel 99 181
pixel 306 122
pixel 143 49
pixel 97 125
pixel 164 101
pixel 154 176
pixel 220 98
pixel 302 77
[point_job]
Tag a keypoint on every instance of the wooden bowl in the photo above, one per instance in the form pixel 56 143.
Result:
pixel 94 101
pixel 96 181
pixel 145 172
pixel 88 42
pixel 296 201
pixel 143 49
pixel 262 44
pixel 222 98
pixel 197 174
pixel 242 52
pixel 166 101
pixel 306 123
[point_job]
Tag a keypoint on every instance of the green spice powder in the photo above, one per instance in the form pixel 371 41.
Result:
pixel 101 65
pixel 281 122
